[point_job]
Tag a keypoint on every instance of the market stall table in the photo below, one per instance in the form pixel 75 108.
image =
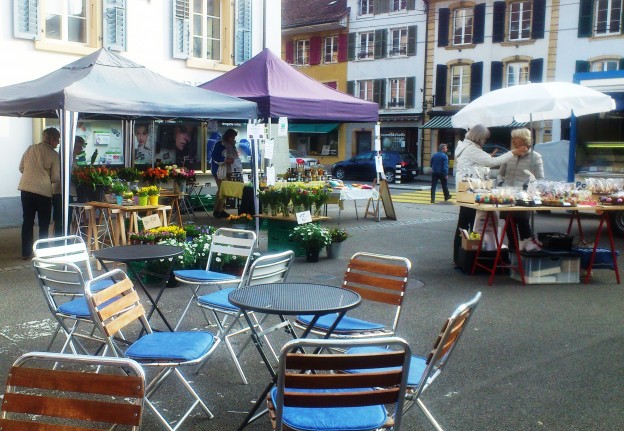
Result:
pixel 490 220
pixel 180 204
pixel 143 253
pixel 289 299
pixel 351 194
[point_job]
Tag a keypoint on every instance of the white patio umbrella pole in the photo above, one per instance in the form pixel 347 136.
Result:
pixel 67 122
pixel 254 178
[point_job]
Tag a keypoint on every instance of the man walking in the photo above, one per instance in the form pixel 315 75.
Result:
pixel 439 171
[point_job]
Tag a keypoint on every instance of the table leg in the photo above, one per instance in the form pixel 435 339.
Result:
pixel 604 218
pixel 575 216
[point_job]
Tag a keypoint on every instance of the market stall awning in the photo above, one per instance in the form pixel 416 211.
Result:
pixel 444 122
pixel 312 127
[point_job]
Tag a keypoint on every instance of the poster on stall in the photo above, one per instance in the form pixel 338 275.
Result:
pixel 379 166
pixel 270 176
pixel 377 137
pixel 255 131
pixel 269 145
pixel 282 126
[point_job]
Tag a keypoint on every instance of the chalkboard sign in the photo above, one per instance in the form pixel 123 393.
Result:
pixel 386 199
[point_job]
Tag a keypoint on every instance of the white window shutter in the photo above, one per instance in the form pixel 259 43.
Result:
pixel 242 43
pixel 114 25
pixel 181 30
pixel 25 19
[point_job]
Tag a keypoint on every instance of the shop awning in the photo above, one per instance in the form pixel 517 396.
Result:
pixel 444 122
pixel 313 127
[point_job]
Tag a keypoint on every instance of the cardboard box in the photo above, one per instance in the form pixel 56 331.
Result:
pixel 470 244
pixel 464 186
pixel 465 197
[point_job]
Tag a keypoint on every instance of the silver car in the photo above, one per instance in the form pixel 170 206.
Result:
pixel 297 157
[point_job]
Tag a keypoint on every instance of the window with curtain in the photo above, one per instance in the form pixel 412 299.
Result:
pixel 302 52
pixel 206 29
pixel 396 95
pixel 365 90
pixel 366 47
pixel 397 45
pixel 605 65
pixel 519 20
pixel 67 20
pixel 463 22
pixel 460 84
pixel 330 50
pixel 517 73
pixel 365 7
pixel 397 5
pixel 607 17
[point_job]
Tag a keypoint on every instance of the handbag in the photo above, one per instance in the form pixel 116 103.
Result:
pixel 222 171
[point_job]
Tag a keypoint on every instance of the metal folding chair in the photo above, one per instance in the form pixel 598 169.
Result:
pixel 76 397
pixel 313 394
pixel 423 371
pixel 118 307
pixel 236 242
pixel 271 268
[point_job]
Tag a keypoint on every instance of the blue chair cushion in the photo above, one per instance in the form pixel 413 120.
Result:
pixel 416 369
pixel 102 284
pixel 203 276
pixel 218 299
pixel 347 324
pixel 76 307
pixel 171 346
pixel 332 418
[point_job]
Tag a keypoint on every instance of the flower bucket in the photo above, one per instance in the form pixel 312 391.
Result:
pixel 153 200
pixel 143 200
pixel 82 193
pixel 179 186
pixel 333 250
pixel 312 255
pixel 119 199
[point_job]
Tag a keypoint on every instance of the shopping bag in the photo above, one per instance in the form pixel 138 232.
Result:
pixel 489 238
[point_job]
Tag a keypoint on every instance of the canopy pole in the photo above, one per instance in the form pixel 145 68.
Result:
pixel 254 178
pixel 68 121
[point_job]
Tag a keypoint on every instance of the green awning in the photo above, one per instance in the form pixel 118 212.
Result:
pixel 444 122
pixel 312 127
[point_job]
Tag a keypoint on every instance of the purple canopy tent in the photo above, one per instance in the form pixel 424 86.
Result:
pixel 282 91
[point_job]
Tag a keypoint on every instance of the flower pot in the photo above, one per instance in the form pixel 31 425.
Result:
pixel 179 186
pixel 312 255
pixel 333 250
pixel 143 200
pixel 82 193
pixel 119 199
pixel 153 200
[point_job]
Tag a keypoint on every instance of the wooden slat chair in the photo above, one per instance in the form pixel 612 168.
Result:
pixel 76 397
pixel 236 242
pixel 423 371
pixel 377 278
pixel 117 308
pixel 311 393
pixel 271 268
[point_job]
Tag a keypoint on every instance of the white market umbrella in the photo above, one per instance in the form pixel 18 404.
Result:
pixel 532 102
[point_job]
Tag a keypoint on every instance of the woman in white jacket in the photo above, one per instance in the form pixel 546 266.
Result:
pixel 469 154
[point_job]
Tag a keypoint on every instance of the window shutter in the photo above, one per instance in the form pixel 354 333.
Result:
pixel 381 6
pixel 290 51
pixel 476 80
pixel 25 22
pixel 443 26
pixel 496 75
pixel 351 47
pixel 479 24
pixel 440 87
pixel 411 39
pixel 582 66
pixel 535 69
pixel 411 4
pixel 539 17
pixel 498 27
pixel 586 18
pixel 315 50
pixel 114 25
pixel 242 28
pixel 351 88
pixel 410 84
pixel 181 36
pixel 379 92
pixel 380 43
pixel 342 47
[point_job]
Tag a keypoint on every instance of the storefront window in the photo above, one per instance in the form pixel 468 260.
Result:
pixel 393 140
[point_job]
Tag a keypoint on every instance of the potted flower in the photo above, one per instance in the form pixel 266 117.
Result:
pixel 142 194
pixel 118 189
pixel 338 236
pixel 155 175
pixel 180 176
pixel 153 192
pixel 241 221
pixel 129 175
pixel 231 263
pixel 312 238
pixel 91 181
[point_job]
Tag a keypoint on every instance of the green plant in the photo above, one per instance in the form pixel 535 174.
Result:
pixel 129 174
pixel 230 263
pixel 194 254
pixel 142 192
pixel 311 236
pixel 338 234
pixel 152 190
pixel 193 230
pixel 118 188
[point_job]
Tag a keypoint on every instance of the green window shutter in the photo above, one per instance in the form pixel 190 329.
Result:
pixel 536 72
pixel 410 84
pixel 379 92
pixel 496 75
pixel 380 43
pixel 242 29
pixel 411 40
pixel 351 47
pixel 498 26
pixel 479 23
pixel 444 16
pixel 539 17
pixel 114 25
pixel 411 4
pixel 181 28
pixel 440 87
pixel 581 66
pixel 381 6
pixel 25 19
pixel 351 88
pixel 586 18
pixel 476 80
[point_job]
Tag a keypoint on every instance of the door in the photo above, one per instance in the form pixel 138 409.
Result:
pixel 364 142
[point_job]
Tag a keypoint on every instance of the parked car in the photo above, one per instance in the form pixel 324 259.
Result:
pixel 297 157
pixel 362 166
pixel 494 150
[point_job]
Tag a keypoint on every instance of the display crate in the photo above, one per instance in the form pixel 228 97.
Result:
pixel 278 234
pixel 548 267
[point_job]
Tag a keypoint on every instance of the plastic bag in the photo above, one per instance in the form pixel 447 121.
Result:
pixel 222 171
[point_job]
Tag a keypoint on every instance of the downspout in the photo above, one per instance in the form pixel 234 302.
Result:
pixel 424 95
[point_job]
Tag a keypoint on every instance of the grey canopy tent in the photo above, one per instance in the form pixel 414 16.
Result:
pixel 108 86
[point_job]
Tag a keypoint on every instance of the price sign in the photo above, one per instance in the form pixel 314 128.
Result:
pixel 282 126
pixel 304 217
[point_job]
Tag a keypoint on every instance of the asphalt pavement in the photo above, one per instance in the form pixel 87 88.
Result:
pixel 535 357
